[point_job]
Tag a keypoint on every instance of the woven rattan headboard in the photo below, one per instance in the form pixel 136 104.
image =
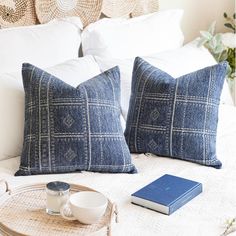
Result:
pixel 29 12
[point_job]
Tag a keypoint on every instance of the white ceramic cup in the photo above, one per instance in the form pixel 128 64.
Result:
pixel 86 206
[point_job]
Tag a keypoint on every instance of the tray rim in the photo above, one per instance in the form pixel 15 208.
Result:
pixel 40 186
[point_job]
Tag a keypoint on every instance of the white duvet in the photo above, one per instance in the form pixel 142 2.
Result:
pixel 203 216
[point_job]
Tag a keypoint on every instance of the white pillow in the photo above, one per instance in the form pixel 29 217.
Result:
pixel 72 72
pixel 140 36
pixel 177 62
pixel 44 45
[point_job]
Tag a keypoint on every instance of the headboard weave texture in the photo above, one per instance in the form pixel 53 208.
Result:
pixel 88 10
pixel 144 7
pixel 118 8
pixel 17 13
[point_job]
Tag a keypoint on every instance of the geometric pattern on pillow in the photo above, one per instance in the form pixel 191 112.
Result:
pixel 71 129
pixel 175 117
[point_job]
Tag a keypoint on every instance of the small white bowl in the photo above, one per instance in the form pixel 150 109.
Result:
pixel 87 206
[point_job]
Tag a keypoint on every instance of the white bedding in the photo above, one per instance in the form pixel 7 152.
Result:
pixel 205 215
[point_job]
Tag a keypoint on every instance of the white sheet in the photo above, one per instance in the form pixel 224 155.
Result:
pixel 203 216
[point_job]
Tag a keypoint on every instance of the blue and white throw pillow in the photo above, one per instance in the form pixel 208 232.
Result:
pixel 175 117
pixel 71 129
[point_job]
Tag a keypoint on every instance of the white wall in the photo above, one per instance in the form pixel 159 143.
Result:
pixel 199 14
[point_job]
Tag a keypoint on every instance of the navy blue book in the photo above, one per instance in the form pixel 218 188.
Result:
pixel 167 194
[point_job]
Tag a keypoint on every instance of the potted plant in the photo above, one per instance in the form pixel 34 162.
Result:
pixel 222 47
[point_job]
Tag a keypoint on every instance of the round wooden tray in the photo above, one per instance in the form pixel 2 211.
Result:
pixel 22 212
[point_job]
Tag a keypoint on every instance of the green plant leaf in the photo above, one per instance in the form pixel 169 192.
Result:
pixel 234 15
pixel 219 49
pixel 213 43
pixel 231 58
pixel 229 70
pixel 228 25
pixel 223 56
pixel 216 56
pixel 201 42
pixel 206 35
pixel 212 27
pixel 225 15
pixel 218 38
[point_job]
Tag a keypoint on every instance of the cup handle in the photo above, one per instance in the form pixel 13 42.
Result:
pixel 6 185
pixel 66 215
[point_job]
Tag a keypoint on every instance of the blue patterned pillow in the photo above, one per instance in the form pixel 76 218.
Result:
pixel 71 129
pixel 175 117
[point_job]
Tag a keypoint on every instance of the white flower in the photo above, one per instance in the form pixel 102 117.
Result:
pixel 229 40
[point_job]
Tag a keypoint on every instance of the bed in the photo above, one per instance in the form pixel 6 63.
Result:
pixel 205 214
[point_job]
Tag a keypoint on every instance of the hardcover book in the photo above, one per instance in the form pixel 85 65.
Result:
pixel 167 194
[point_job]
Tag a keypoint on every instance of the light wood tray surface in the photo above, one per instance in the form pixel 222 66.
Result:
pixel 22 212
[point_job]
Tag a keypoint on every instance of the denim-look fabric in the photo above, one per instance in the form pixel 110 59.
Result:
pixel 175 117
pixel 71 129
